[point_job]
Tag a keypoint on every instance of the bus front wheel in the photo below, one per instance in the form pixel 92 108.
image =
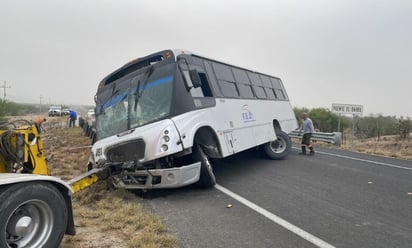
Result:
pixel 279 148
pixel 207 177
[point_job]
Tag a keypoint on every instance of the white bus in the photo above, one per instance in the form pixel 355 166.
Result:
pixel 163 117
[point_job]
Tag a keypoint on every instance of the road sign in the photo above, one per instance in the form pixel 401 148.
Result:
pixel 347 109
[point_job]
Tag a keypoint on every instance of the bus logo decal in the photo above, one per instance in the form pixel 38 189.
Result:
pixel 247 115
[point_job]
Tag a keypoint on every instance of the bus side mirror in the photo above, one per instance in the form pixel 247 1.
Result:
pixel 194 76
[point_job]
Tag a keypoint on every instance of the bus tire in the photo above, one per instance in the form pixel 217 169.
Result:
pixel 207 177
pixel 279 148
pixel 33 214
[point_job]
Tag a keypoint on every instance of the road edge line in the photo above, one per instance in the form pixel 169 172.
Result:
pixel 362 160
pixel 285 224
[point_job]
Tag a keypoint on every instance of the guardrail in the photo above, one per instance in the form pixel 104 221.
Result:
pixel 88 130
pixel 332 138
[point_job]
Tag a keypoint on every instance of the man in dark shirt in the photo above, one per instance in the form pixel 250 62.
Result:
pixel 73 118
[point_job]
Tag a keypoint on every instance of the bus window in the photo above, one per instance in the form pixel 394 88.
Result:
pixel 195 92
pixel 245 91
pixel 260 92
pixel 187 63
pixel 228 89
pixel 207 92
pixel 266 81
pixel 276 83
pixel 270 93
pixel 212 78
pixel 223 72
pixel 254 78
pixel 240 76
pixel 280 94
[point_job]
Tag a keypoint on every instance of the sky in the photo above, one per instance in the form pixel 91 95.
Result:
pixel 325 51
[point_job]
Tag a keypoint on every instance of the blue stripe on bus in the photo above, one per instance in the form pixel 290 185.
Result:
pixel 118 98
pixel 158 82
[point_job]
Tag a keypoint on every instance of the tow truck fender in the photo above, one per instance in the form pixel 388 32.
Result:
pixel 62 186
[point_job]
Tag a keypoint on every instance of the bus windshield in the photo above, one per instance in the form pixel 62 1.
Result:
pixel 141 98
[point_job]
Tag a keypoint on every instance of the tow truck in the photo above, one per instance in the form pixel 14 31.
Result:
pixel 35 207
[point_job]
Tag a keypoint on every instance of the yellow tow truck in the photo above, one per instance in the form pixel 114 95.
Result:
pixel 35 208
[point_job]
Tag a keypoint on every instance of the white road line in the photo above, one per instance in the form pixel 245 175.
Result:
pixel 363 160
pixel 285 224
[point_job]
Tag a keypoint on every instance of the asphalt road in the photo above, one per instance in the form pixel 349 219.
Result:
pixel 338 198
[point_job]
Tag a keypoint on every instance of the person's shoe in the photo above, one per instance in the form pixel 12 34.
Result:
pixel 312 153
pixel 302 153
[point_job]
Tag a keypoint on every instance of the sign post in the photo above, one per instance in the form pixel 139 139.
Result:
pixel 347 109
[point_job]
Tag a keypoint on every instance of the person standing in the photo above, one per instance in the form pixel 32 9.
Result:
pixel 38 123
pixel 307 129
pixel 73 118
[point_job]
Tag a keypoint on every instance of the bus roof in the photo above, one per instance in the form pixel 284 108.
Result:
pixel 169 54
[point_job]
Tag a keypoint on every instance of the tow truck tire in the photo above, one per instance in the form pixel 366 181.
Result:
pixel 279 148
pixel 207 177
pixel 33 214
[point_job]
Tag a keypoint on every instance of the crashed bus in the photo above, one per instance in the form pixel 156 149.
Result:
pixel 162 119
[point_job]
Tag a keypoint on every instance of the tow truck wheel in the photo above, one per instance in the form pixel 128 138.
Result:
pixel 33 214
pixel 207 177
pixel 279 148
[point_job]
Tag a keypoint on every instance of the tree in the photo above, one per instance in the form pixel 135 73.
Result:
pixel 323 119
pixel 404 127
pixel 8 108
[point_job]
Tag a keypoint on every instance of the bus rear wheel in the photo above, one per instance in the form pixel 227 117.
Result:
pixel 279 148
pixel 207 177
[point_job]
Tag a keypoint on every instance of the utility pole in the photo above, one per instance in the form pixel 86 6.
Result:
pixel 4 90
pixel 40 103
pixel 3 108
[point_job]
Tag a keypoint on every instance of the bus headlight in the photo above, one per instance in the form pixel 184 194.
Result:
pixel 164 140
pixel 165 147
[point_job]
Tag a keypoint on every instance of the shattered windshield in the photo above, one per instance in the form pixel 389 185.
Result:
pixel 152 103
pixel 134 101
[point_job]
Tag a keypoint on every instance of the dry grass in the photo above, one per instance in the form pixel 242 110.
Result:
pixel 104 217
pixel 387 146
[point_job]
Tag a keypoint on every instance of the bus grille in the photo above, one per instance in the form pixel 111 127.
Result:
pixel 127 151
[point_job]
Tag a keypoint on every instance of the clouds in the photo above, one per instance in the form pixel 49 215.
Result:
pixel 325 51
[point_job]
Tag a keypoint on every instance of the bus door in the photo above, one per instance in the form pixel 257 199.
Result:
pixel 230 142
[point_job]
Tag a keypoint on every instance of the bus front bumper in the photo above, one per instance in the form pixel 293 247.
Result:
pixel 159 178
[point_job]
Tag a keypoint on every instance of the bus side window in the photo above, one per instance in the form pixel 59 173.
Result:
pixel 212 79
pixel 207 92
pixel 257 85
pixel 203 90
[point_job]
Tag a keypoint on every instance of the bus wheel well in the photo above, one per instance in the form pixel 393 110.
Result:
pixel 276 126
pixel 207 139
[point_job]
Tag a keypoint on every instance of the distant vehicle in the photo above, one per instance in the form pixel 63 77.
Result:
pixel 65 111
pixel 91 117
pixel 90 113
pixel 55 110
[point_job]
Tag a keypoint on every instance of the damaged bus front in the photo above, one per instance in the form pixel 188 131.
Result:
pixel 134 106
